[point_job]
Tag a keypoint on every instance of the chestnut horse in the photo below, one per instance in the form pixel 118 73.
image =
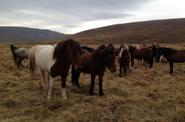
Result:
pixel 55 60
pixel 171 55
pixel 147 54
pixel 73 71
pixel 95 63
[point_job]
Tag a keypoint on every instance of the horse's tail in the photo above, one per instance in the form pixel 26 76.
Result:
pixel 32 60
pixel 13 48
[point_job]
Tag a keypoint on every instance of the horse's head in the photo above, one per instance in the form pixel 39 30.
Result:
pixel 109 57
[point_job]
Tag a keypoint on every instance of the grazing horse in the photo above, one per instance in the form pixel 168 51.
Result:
pixel 171 55
pixel 123 59
pixel 19 54
pixel 56 61
pixel 95 63
pixel 147 54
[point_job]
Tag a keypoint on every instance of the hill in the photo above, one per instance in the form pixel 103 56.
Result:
pixel 163 31
pixel 23 34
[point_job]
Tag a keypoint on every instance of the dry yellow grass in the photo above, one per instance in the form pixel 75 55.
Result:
pixel 143 95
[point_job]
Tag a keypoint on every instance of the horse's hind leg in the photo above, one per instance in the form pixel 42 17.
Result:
pixel 42 79
pixel 50 89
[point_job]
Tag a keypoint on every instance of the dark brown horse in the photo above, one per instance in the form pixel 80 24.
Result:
pixel 147 54
pixel 172 56
pixel 95 63
pixel 123 59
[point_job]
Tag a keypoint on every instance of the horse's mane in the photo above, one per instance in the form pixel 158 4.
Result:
pixel 59 50
pixel 89 49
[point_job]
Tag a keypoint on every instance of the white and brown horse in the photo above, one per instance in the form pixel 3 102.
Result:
pixel 56 61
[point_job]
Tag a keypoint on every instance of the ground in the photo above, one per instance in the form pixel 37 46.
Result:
pixel 143 95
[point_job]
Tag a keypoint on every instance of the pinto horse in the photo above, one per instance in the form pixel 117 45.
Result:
pixel 147 54
pixel 19 54
pixel 55 60
pixel 123 59
pixel 171 55
pixel 95 63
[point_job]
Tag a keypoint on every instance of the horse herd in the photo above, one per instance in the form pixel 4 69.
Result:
pixel 55 60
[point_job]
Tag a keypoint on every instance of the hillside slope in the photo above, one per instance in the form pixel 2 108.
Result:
pixel 164 31
pixel 23 34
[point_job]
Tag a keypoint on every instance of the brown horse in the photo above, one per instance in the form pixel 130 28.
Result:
pixel 95 63
pixel 147 54
pixel 123 59
pixel 85 49
pixel 171 55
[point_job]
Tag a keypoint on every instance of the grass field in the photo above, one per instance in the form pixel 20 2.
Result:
pixel 146 95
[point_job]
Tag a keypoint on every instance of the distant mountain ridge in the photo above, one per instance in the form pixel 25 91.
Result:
pixel 163 31
pixel 24 34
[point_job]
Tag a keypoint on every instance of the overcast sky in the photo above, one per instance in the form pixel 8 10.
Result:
pixel 71 16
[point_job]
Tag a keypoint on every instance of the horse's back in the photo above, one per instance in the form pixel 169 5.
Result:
pixel 44 57
pixel 23 52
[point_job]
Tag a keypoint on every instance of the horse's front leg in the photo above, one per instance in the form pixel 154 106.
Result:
pixel 50 89
pixel 63 86
pixel 101 85
pixel 91 90
pixel 73 75
pixel 171 67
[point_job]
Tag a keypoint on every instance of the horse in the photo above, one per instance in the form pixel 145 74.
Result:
pixel 19 54
pixel 56 61
pixel 123 59
pixel 73 72
pixel 147 54
pixel 171 55
pixel 95 63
